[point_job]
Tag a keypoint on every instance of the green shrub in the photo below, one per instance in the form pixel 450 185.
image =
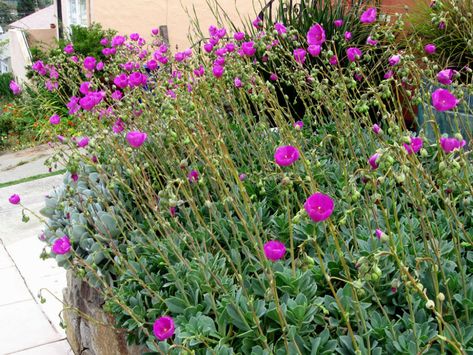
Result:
pixel 5 92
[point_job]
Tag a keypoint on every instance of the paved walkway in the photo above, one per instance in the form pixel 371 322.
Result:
pixel 27 326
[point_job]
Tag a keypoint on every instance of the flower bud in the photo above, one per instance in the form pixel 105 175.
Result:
pixel 441 297
pixel 430 304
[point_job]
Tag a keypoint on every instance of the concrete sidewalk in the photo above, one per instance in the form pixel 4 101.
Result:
pixel 28 327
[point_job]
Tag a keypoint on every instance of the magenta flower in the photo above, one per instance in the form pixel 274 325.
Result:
pixel 248 48
pixel 38 67
pixel 280 28
pixel 118 41
pixel 242 177
pixel 239 36
pixel 193 176
pixel 134 36
pixel 316 35
pixel 388 74
pixel 84 88
pixel 319 206
pixel 104 41
pixel 314 50
pixel 414 146
pixel 430 48
pixel 273 77
pixel 238 83
pixel 373 161
pixel 117 95
pixel 443 100
pixel 83 142
pixel 218 70
pixel 258 22
pixel 74 177
pixel 379 234
pixel 298 125
pixel 445 76
pixel 136 138
pixel 369 16
pixel 121 81
pixel 371 41
pixel 61 246
pixel 69 48
pixel 274 250
pixel 333 60
pixel 200 71
pixel 15 88
pixel 55 119
pixel 338 23
pixel 441 25
pixel 155 31
pixel 299 55
pixel 450 144
pixel 163 328
pixel 286 155
pixel 394 60
pixel 89 63
pixel 347 36
pixel 376 129
pixel 136 79
pixel 14 199
pixel 118 126
pixel 230 47
pixel 219 61
pixel 354 54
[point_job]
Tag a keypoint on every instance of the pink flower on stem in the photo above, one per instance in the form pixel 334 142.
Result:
pixel 163 328
pixel 14 199
pixel 444 100
pixel 314 50
pixel 248 48
pixel 394 60
pixel 239 36
pixel 274 250
pixel 218 70
pixel 450 144
pixel 286 155
pixel 83 142
pixel 445 76
pixel 369 16
pixel 379 234
pixel 354 54
pixel 338 23
pixel 15 88
pixel 89 63
pixel 280 28
pixel 333 60
pixel 415 145
pixel 389 74
pixel 273 77
pixel 299 55
pixel 238 83
pixel 55 119
pixel 371 41
pixel 242 177
pixel 376 129
pixel 430 48
pixel 373 161
pixel 193 176
pixel 155 31
pixel 69 48
pixel 298 125
pixel 61 246
pixel 118 126
pixel 316 35
pixel 136 138
pixel 347 36
pixel 258 22
pixel 319 206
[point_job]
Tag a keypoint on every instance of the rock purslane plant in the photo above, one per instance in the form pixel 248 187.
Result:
pixel 215 223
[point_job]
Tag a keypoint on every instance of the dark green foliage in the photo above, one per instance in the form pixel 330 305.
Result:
pixel 25 7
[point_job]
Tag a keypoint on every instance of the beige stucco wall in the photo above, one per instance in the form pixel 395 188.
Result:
pixel 20 55
pixel 128 16
pixel 42 38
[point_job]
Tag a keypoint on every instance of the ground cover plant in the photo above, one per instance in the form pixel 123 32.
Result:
pixel 214 222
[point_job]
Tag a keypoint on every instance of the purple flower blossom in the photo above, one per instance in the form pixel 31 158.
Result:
pixel 354 54
pixel 280 28
pixel 430 48
pixel 371 41
pixel 442 25
pixel 136 138
pixel 121 81
pixel 38 67
pixel 104 41
pixel 369 16
pixel 163 328
pixel 99 66
pixel 193 176
pixel 379 234
pixel 69 48
pixel 89 63
pixel 137 79
pixel 14 199
pixel 55 119
pixel 333 60
pixel 450 144
pixel 314 50
pixel 84 88
pixel 376 129
pixel 248 48
pixel 218 70
pixel 316 35
pixel 239 36
pixel 117 95
pixel 415 145
pixel 61 246
pixel 155 31
pixel 118 41
pixel 83 142
pixel 238 83
pixel 274 250
pixel 286 155
pixel 118 126
pixel 445 76
pixel 299 55
pixel 134 36
pixel 152 64
pixel 338 23
pixel 258 22
pixel 242 177
pixel 389 74
pixel 347 36
pixel 230 47
pixel 208 47
pixel 443 100
pixel 298 125
pixel 73 105
pixel 15 88
pixel 394 60
pixel 273 77
pixel 200 71
pixel 74 177
pixel 373 161
pixel 319 206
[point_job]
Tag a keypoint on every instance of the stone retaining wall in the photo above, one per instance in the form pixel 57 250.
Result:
pixel 89 329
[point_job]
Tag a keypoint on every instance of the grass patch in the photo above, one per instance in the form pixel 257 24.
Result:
pixel 31 178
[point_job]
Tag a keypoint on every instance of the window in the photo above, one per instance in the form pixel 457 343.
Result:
pixel 77 12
